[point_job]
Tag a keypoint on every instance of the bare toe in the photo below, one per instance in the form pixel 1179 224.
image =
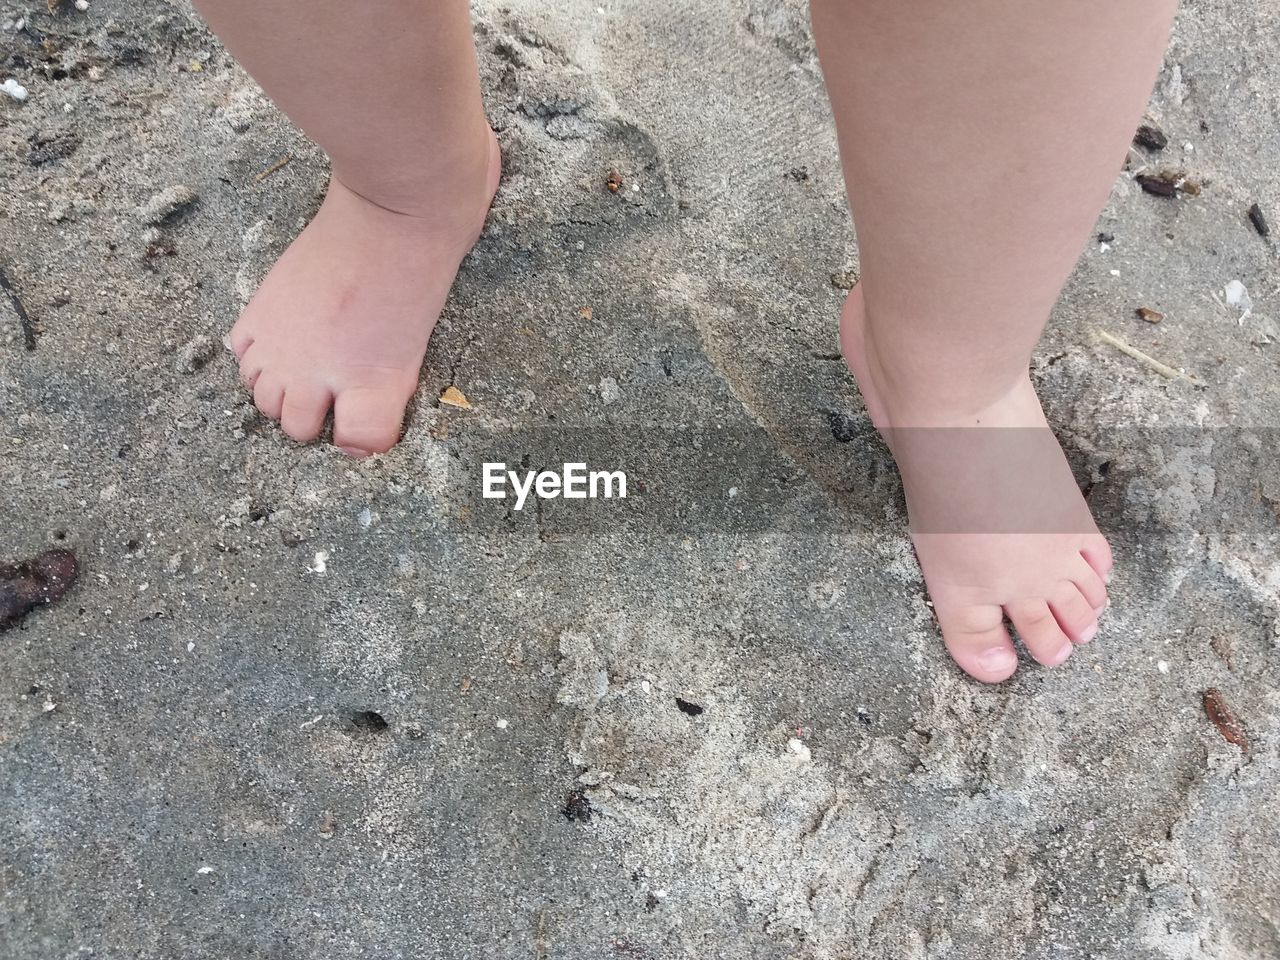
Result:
pixel 303 412
pixel 239 340
pixel 1098 555
pixel 1039 631
pixel 1090 584
pixel 250 370
pixel 366 420
pixel 268 395
pixel 1074 613
pixel 977 640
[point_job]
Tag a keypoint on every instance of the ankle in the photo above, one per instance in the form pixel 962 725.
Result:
pixel 452 189
pixel 923 386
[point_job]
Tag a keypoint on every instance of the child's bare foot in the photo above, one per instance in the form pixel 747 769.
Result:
pixel 999 525
pixel 343 318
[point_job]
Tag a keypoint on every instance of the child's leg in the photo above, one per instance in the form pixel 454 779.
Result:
pixel 391 91
pixel 979 142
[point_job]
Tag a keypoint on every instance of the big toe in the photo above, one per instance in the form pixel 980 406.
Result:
pixel 367 420
pixel 977 640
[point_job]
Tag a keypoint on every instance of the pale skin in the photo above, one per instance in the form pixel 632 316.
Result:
pixel 979 142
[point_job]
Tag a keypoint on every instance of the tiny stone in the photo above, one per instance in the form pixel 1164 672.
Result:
pixel 193 357
pixel 167 204
pixel 843 427
pixel 610 392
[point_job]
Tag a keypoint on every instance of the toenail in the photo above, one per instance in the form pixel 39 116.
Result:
pixel 1089 634
pixel 1106 577
pixel 356 452
pixel 997 658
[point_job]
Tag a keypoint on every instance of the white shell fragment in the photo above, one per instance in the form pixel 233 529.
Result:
pixel 14 89
pixel 1237 295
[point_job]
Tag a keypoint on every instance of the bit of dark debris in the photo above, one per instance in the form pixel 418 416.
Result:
pixel 1098 475
pixel 24 319
pixel 369 721
pixel 1221 715
pixel 1149 315
pixel 1167 184
pixel 651 902
pixel 1150 138
pixel 613 181
pixel 33 583
pixel 843 427
pixel 159 249
pixel 51 147
pixel 798 174
pixel 866 718
pixel 577 808
pixel 1106 238
pixel 1259 221
pixel 692 709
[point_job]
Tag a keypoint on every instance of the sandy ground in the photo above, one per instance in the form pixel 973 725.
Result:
pixel 462 739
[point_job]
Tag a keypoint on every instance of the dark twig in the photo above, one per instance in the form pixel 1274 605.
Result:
pixel 28 328
pixel 1259 221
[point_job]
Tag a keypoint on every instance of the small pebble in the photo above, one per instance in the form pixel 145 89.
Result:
pixel 610 392
pixel 798 748
pixel 167 204
pixel 1162 666
pixel 82 5
pixel 503 724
